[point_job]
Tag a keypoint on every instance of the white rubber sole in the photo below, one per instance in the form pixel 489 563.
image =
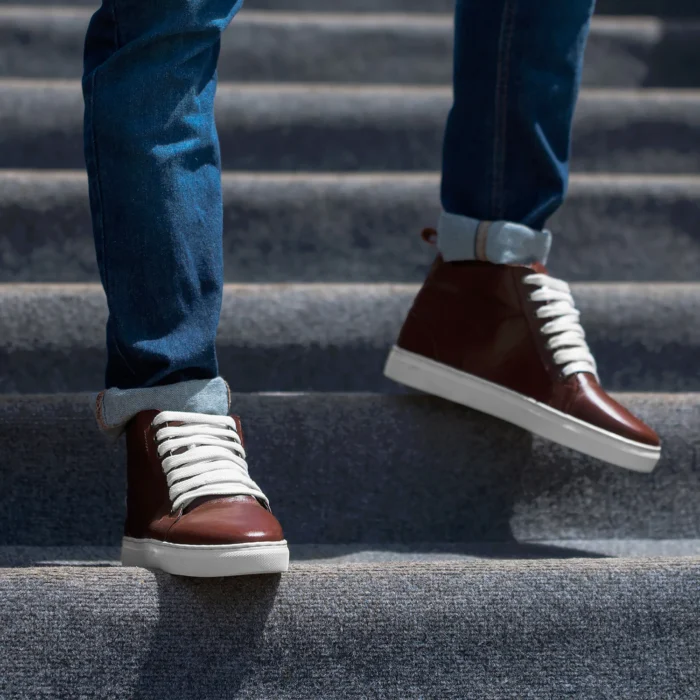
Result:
pixel 206 561
pixel 435 378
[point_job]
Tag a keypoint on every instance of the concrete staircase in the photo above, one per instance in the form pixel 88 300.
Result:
pixel 437 552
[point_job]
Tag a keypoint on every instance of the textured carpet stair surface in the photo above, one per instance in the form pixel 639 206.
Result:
pixel 436 552
pixel 108 556
pixel 542 630
pixel 663 8
pixel 262 46
pixel 336 127
pixel 349 468
pixel 386 552
pixel 284 227
pixel 325 337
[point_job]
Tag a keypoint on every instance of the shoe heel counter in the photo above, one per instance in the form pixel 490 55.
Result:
pixel 146 486
pixel 418 332
pixel 417 337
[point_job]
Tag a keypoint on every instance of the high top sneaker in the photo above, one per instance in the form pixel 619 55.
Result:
pixel 506 340
pixel 192 509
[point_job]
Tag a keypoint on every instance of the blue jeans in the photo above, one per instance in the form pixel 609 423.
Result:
pixel 517 72
pixel 153 164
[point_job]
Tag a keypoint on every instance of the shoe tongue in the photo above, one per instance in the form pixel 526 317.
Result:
pixel 206 499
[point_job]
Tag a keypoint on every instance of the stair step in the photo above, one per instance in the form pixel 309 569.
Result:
pixel 667 8
pixel 416 552
pixel 356 468
pixel 335 337
pixel 263 46
pixel 664 8
pixel 361 228
pixel 335 127
pixel 619 628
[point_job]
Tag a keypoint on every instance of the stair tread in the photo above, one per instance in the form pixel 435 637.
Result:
pixel 390 565
pixel 380 554
pixel 683 8
pixel 645 224
pixel 268 127
pixel 546 629
pixel 329 16
pixel 291 337
pixel 357 467
pixel 316 92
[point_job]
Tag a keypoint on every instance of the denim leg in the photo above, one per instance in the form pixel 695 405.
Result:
pixel 154 173
pixel 517 72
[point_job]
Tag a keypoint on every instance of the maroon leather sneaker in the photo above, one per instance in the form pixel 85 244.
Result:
pixel 506 340
pixel 192 509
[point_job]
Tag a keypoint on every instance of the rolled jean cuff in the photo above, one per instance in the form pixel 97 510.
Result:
pixel 114 408
pixel 500 242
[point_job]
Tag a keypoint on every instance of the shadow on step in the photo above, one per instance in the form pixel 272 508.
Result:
pixel 432 551
pixel 362 469
pixel 381 552
pixel 208 637
pixel 372 469
pixel 674 63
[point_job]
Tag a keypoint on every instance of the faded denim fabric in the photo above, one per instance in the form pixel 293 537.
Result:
pixel 502 242
pixel 154 173
pixel 114 408
pixel 517 73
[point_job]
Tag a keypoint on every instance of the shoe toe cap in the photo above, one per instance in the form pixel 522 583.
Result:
pixel 596 407
pixel 232 520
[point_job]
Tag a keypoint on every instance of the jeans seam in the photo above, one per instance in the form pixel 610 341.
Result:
pixel 501 107
pixel 119 352
pixel 99 411
pixel 100 218
pixel 115 20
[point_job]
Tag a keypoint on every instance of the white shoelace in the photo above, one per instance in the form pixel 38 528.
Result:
pixel 567 337
pixel 212 465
